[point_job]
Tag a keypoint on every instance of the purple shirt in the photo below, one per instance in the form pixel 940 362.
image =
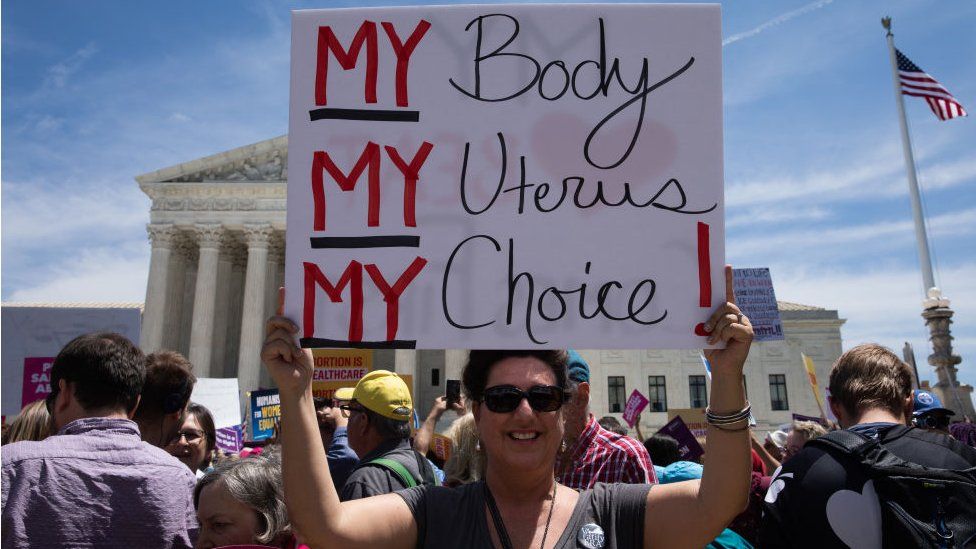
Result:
pixel 96 484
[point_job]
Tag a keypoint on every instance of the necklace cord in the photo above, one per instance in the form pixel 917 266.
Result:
pixel 496 518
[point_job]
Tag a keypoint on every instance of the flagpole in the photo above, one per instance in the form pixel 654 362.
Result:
pixel 920 235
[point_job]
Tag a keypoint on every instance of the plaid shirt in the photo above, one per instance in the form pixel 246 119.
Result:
pixel 600 455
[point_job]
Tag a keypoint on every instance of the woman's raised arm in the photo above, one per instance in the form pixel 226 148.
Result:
pixel 310 495
pixel 691 514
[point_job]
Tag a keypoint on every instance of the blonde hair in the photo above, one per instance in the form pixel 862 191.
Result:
pixel 809 430
pixel 466 464
pixel 33 423
pixel 870 376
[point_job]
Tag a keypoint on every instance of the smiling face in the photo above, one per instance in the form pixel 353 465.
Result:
pixel 522 440
pixel 224 520
pixel 190 445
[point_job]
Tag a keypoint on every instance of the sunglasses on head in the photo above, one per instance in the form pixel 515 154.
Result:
pixel 503 399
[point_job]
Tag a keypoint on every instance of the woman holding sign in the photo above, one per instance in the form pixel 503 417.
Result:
pixel 516 398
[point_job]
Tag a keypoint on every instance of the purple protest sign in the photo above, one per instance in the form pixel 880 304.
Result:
pixel 37 379
pixel 635 405
pixel 687 443
pixel 230 439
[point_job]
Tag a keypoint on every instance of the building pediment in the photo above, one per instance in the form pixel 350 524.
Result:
pixel 263 161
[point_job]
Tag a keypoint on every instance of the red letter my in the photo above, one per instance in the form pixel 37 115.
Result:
pixel 391 295
pixel 347 59
pixel 322 161
pixel 353 277
pixel 411 174
pixel 403 52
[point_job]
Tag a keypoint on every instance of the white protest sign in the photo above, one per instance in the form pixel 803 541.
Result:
pixel 754 294
pixel 505 176
pixel 222 397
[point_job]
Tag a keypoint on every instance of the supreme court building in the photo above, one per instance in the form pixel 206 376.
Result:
pixel 217 228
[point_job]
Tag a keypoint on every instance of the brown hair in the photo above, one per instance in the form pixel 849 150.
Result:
pixel 33 423
pixel 870 376
pixel 169 383
pixel 480 362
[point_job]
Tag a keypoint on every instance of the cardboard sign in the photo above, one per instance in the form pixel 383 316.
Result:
pixel 688 444
pixel 505 176
pixel 265 412
pixel 755 297
pixel 441 445
pixel 37 379
pixel 694 419
pixel 337 368
pixel 635 405
pixel 230 439
pixel 222 397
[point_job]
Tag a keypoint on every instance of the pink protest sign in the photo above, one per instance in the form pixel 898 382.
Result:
pixel 37 379
pixel 635 405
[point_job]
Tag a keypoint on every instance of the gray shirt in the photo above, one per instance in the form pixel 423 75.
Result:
pixel 96 484
pixel 371 480
pixel 608 516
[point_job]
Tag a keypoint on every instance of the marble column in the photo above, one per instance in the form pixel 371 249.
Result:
pixel 154 314
pixel 191 255
pixel 223 317
pixel 209 237
pixel 253 315
pixel 174 295
pixel 276 259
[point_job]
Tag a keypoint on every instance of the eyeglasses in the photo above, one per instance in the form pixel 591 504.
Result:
pixel 503 399
pixel 348 410
pixel 192 436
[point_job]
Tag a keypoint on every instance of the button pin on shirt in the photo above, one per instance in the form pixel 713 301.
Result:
pixel 591 536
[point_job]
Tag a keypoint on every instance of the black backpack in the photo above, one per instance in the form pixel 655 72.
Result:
pixel 920 506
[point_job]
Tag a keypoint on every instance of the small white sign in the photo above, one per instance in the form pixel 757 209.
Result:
pixel 222 397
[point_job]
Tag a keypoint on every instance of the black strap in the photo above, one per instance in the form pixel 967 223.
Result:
pixel 846 441
pixel 426 471
pixel 496 517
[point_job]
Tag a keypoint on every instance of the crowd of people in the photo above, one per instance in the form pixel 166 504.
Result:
pixel 118 456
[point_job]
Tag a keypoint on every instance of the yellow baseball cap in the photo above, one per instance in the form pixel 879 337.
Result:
pixel 383 392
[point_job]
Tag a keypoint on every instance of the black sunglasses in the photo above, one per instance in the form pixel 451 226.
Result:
pixel 503 399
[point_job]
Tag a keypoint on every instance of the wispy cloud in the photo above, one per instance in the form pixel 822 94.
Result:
pixel 870 171
pixel 96 274
pixel 59 73
pixel 775 21
pixel 768 216
pixel 833 239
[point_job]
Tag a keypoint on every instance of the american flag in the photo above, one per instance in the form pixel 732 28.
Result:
pixel 917 83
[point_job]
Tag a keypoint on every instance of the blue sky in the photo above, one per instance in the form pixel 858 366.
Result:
pixel 95 93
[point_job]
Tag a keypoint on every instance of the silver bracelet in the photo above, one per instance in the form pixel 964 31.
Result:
pixel 728 419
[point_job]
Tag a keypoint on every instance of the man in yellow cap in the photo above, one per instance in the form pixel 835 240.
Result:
pixel 379 412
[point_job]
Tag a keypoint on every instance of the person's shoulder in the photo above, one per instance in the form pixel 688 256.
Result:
pixel 17 452
pixel 933 449
pixel 618 443
pixel 611 493
pixel 161 465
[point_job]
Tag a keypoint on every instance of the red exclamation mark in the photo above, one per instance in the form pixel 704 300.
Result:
pixel 704 275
